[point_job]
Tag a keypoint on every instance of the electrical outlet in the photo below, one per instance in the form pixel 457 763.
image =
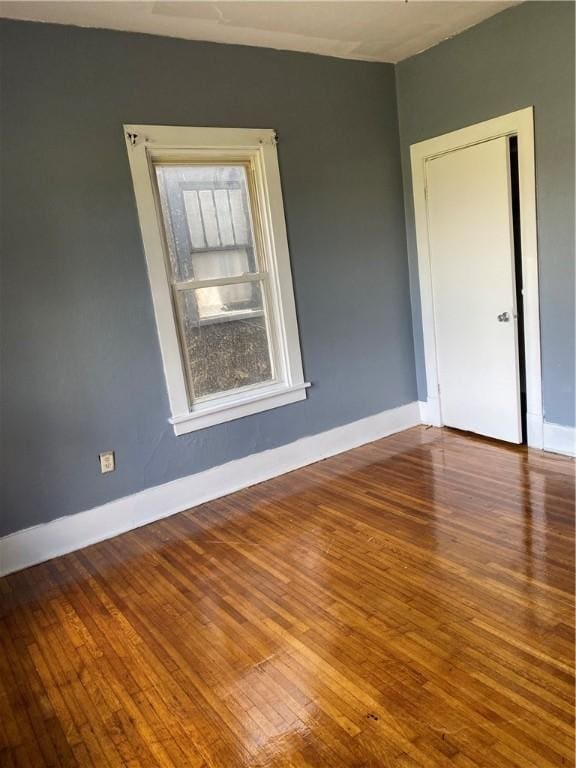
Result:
pixel 107 462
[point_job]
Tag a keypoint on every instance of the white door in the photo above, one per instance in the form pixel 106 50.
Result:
pixel 473 285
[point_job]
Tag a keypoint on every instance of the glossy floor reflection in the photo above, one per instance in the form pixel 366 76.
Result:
pixel 409 603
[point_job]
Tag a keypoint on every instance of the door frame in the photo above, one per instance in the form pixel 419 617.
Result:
pixel 520 124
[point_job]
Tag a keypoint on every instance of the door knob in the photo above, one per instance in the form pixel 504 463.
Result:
pixel 504 317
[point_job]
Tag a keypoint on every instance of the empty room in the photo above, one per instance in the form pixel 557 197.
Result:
pixel 287 384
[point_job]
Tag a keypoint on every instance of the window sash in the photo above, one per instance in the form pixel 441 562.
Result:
pixel 246 277
pixel 184 225
pixel 255 215
pixel 271 333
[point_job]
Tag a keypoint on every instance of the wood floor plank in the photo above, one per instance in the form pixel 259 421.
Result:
pixel 409 603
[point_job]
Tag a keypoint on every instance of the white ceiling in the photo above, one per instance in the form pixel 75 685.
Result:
pixel 382 30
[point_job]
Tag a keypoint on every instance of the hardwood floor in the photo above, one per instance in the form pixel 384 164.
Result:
pixel 409 603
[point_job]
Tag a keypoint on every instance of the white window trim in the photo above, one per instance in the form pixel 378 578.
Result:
pixel 143 142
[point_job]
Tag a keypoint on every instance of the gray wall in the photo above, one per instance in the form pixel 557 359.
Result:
pixel 81 363
pixel 521 57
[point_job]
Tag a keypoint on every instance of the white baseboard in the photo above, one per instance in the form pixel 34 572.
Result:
pixel 559 439
pixel 66 534
pixel 430 411
pixel 534 430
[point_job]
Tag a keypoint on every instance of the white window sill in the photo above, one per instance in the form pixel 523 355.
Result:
pixel 210 413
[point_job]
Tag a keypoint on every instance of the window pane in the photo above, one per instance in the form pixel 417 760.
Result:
pixel 206 213
pixel 225 336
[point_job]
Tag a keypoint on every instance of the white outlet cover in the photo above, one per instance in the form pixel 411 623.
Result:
pixel 107 462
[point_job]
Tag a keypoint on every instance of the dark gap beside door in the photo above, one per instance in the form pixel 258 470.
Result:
pixel 515 188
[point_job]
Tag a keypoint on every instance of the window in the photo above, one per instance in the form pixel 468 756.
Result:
pixel 212 220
